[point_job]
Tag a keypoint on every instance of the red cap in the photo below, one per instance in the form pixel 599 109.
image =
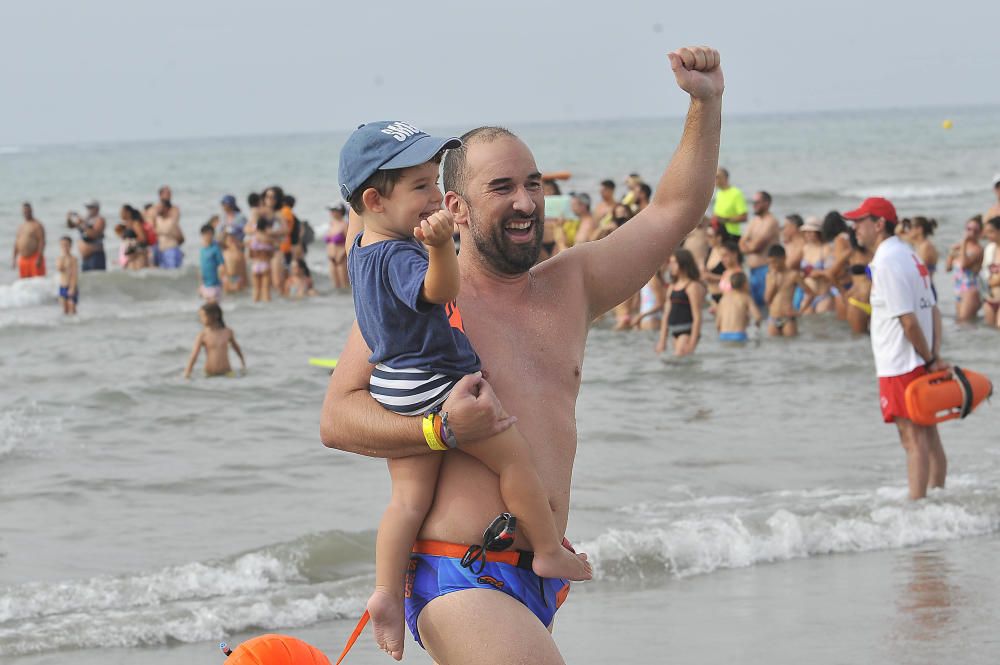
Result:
pixel 875 206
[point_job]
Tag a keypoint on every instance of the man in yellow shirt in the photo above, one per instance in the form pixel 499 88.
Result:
pixel 730 210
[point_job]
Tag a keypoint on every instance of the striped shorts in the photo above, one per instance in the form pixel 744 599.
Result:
pixel 409 392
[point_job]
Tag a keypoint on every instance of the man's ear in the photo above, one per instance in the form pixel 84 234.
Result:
pixel 457 206
pixel 372 200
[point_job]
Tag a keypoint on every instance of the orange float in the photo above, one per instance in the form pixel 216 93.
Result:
pixel 955 393
pixel 557 175
pixel 274 650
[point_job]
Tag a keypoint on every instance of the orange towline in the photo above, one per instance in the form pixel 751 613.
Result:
pixel 955 393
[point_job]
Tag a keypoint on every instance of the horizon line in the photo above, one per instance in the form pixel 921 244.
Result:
pixel 528 123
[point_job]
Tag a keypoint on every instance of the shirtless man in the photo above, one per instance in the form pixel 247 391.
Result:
pixel 580 205
pixel 29 246
pixel 169 237
pixel 995 210
pixel 761 234
pixel 529 325
pixel 697 243
pixel 91 243
pixel 605 207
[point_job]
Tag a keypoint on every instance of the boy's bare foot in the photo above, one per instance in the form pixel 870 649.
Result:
pixel 387 622
pixel 562 563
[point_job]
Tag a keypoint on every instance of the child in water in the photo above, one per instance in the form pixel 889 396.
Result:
pixel 69 274
pixel 299 283
pixel 216 339
pixel 779 293
pixel 261 251
pixel 210 262
pixel 735 309
pixel 235 266
pixel 404 270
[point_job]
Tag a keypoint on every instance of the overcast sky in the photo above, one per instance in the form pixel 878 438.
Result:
pixel 114 69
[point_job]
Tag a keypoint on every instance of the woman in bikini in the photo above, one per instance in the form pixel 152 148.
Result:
pixel 732 263
pixel 813 266
pixel 262 250
pixel 713 267
pixel 336 245
pixel 966 259
pixel 919 236
pixel 837 256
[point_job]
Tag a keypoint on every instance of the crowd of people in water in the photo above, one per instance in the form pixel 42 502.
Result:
pixel 745 266
pixel 742 265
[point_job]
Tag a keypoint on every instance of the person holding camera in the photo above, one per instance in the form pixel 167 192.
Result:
pixel 91 243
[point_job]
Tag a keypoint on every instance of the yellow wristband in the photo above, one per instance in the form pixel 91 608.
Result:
pixel 430 433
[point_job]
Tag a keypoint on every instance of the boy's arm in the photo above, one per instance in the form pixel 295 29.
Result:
pixel 354 422
pixel 757 317
pixel 198 342
pixel 770 287
pixel 441 283
pixel 73 274
pixel 237 349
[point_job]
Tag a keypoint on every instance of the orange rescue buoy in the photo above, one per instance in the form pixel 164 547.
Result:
pixel 557 175
pixel 955 393
pixel 275 650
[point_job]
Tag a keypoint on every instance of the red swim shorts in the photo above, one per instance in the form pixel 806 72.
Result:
pixel 890 392
pixel 30 266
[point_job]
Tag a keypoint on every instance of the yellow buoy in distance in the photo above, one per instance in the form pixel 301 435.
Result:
pixel 947 124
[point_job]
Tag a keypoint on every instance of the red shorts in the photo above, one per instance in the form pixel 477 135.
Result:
pixel 891 390
pixel 29 266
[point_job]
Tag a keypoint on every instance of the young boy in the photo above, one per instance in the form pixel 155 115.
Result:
pixel 235 269
pixel 779 293
pixel 69 272
pixel 404 269
pixel 216 339
pixel 211 261
pixel 734 311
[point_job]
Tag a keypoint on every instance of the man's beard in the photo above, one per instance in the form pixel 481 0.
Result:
pixel 504 256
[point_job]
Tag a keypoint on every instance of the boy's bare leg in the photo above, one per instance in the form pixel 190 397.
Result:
pixel 484 627
pixel 509 456
pixel 413 482
pixel 791 328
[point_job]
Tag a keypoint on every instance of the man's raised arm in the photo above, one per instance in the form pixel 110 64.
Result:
pixel 619 265
pixel 354 422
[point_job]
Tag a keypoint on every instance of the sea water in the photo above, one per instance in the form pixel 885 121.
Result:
pixel 742 505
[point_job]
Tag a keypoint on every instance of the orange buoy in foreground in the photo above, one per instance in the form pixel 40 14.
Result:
pixel 275 650
pixel 955 393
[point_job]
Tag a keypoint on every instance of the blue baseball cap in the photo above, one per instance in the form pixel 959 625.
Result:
pixel 228 200
pixel 384 145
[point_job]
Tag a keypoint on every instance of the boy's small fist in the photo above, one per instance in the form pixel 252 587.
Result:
pixel 436 230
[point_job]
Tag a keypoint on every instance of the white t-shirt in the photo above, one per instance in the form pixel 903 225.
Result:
pixel 901 284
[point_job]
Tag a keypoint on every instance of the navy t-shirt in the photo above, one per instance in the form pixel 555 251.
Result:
pixel 403 331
